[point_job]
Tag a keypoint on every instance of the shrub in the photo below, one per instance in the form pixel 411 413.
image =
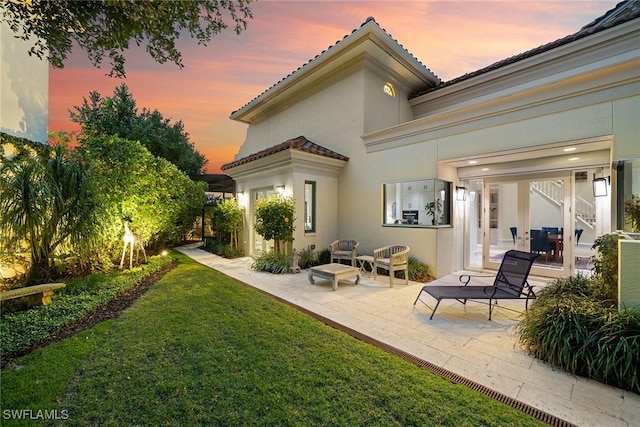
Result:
pixel 632 212
pixel 161 200
pixel 605 266
pixel 222 249
pixel 275 216
pixel 227 219
pixel 570 326
pixel 324 256
pixel 418 270
pixel 307 258
pixel 272 262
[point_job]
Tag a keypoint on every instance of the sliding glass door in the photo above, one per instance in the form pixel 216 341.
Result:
pixel 531 214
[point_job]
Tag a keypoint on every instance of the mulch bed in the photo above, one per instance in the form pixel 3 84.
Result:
pixel 109 311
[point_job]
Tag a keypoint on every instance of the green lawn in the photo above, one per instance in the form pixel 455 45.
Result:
pixel 199 348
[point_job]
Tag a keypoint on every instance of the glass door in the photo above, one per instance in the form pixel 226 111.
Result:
pixel 531 214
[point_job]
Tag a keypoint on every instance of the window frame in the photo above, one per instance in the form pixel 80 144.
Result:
pixel 312 223
pixel 413 213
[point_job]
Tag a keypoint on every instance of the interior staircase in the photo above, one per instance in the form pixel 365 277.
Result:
pixel 553 191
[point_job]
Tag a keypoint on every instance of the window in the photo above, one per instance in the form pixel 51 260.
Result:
pixel 420 203
pixel 309 206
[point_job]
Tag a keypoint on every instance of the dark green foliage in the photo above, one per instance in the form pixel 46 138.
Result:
pixel 632 212
pixel 419 271
pixel 605 266
pixel 275 217
pixel 21 330
pixel 227 220
pixel 48 201
pixel 119 116
pixel 272 262
pixel 223 249
pixel 307 258
pixel 571 326
pixel 106 28
pixel 324 256
pixel 161 201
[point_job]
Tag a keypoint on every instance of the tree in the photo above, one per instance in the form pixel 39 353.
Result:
pixel 161 201
pixel 275 216
pixel 106 28
pixel 118 115
pixel 228 214
pixel 47 201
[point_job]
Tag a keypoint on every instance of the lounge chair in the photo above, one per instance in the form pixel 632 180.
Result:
pixel 510 283
pixel 392 258
pixel 344 249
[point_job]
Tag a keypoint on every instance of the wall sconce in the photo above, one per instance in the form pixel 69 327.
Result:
pixel 280 189
pixel 461 193
pixel 242 198
pixel 600 186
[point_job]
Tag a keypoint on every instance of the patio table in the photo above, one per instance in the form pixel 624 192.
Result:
pixel 363 261
pixel 334 272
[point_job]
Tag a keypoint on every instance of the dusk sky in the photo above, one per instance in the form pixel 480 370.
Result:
pixel 451 38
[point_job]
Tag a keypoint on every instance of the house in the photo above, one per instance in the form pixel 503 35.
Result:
pixel 373 146
pixel 24 89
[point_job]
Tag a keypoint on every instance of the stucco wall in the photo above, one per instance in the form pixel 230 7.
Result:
pixel 326 214
pixel 331 118
pixel 24 89
pixel 626 122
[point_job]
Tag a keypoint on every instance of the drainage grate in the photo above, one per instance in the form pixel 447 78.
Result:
pixel 536 413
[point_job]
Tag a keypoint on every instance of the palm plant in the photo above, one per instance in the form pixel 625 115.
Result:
pixel 47 203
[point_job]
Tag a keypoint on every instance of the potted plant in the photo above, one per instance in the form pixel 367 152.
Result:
pixel 435 210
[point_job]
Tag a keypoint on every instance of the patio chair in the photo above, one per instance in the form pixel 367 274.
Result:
pixel 540 243
pixel 344 249
pixel 510 283
pixel 392 258
pixel 514 233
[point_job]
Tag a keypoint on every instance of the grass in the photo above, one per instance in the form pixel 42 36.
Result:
pixel 199 348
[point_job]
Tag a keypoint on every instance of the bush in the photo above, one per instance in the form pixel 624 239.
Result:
pixel 324 256
pixel 225 250
pixel 227 220
pixel 571 326
pixel 605 266
pixel 22 330
pixel 275 217
pixel 419 271
pixel 307 258
pixel 272 262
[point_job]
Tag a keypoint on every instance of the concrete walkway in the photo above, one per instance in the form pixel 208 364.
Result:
pixel 459 339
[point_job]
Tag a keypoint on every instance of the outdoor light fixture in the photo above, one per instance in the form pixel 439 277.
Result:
pixel 600 186
pixel 461 193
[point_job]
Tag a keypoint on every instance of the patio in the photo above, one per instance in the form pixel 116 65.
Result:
pixel 459 340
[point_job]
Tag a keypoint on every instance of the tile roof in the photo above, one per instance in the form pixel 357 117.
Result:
pixel 300 143
pixel 623 12
pixel 327 50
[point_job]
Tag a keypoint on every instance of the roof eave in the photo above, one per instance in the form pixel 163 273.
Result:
pixel 335 57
